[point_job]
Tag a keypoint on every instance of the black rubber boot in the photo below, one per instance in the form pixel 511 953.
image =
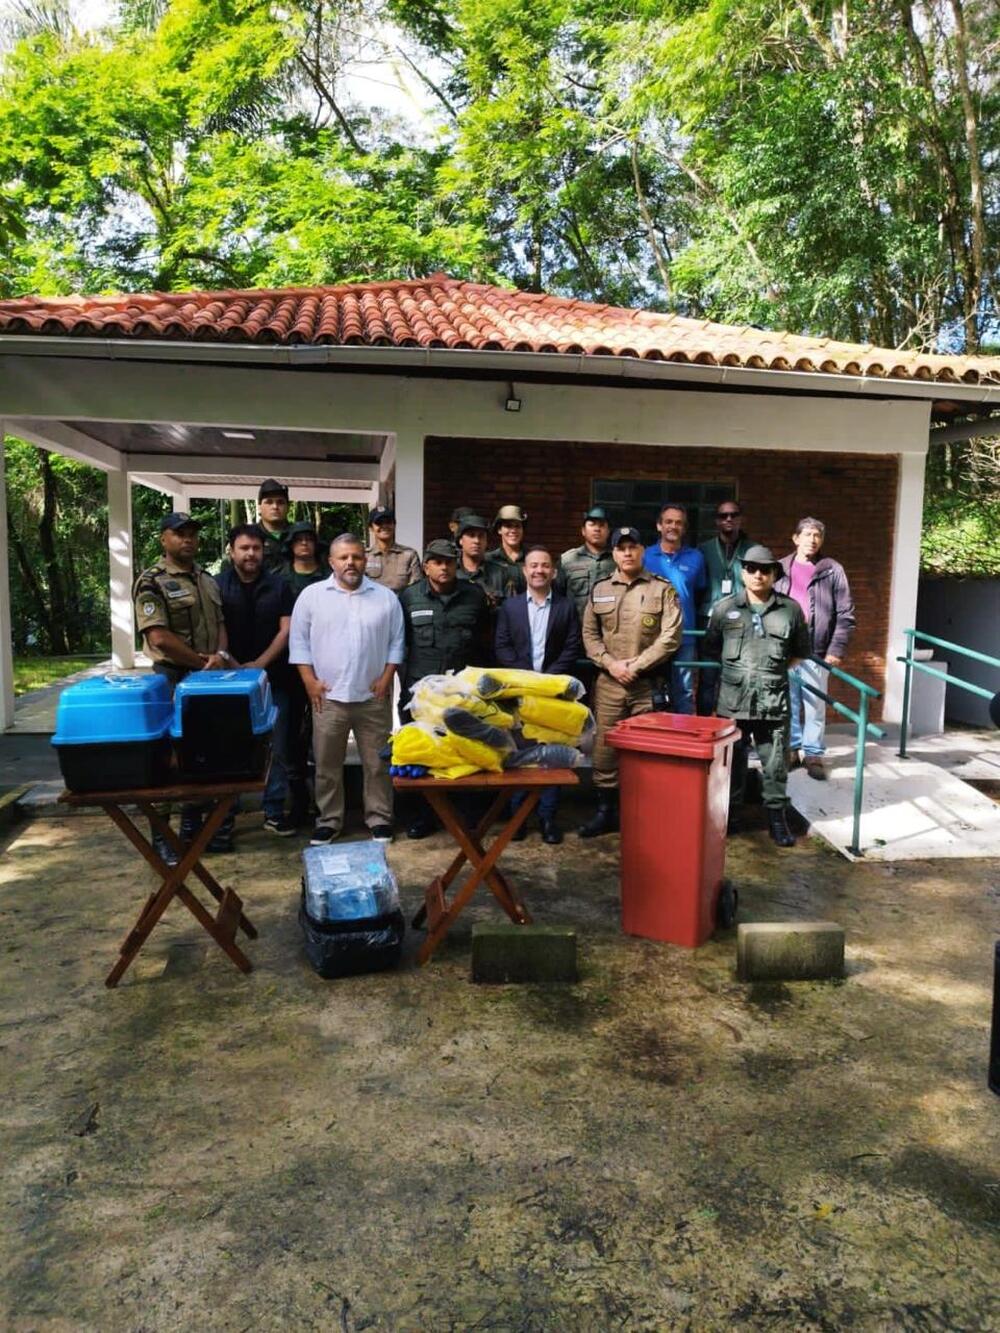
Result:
pixel 163 849
pixel 604 818
pixel 777 823
pixel 192 818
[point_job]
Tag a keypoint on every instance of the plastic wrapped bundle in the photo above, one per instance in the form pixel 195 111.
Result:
pixel 350 914
pixel 460 722
pixel 546 756
pixel 510 683
pixel 561 715
pixel 437 751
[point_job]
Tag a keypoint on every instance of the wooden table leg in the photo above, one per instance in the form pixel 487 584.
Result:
pixel 174 841
pixel 482 828
pixel 481 865
pixel 173 885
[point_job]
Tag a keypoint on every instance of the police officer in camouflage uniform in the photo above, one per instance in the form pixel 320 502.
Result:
pixel 583 566
pixel 632 624
pixel 272 518
pixel 472 563
pixel 447 623
pixel 757 635
pixel 390 564
pixel 509 555
pixel 178 612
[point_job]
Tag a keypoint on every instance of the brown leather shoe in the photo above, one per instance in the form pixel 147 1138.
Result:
pixel 815 767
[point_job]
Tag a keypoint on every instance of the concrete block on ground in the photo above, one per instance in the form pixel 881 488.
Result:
pixel 789 951
pixel 508 952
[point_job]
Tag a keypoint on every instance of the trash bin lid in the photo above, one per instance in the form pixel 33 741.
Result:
pixel 674 734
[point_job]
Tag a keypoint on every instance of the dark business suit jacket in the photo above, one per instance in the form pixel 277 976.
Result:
pixel 563 645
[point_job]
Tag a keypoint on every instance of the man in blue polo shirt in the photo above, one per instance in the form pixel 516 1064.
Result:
pixel 685 569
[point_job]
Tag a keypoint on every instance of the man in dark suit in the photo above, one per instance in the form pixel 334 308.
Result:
pixel 540 631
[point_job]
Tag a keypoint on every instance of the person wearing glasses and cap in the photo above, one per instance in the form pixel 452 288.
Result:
pixel 758 635
pixel 632 624
pixel 272 519
pixel 582 566
pixel 509 555
pixel 390 564
pixel 722 562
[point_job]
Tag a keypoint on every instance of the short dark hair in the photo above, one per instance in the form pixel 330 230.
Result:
pixel 735 503
pixel 252 530
pixel 539 547
pixel 672 504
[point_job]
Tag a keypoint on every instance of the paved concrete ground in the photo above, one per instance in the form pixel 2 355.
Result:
pixel 657 1147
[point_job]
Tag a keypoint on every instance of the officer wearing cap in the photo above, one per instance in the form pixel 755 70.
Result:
pixel 473 566
pixel 583 566
pixel 272 518
pixel 509 555
pixel 632 624
pixel 390 564
pixel 178 612
pixel 757 635
pixel 447 624
pixel 456 518
pixel 303 566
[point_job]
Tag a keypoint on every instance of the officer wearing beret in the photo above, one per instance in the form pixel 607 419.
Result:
pixel 390 564
pixel 272 518
pixel 447 624
pixel 632 624
pixel 509 555
pixel 757 635
pixel 583 566
pixel 472 563
pixel 178 612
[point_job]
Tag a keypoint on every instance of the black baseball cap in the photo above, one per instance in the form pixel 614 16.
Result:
pixel 381 516
pixel 625 535
pixel 177 520
pixel 303 529
pixel 470 521
pixel 272 487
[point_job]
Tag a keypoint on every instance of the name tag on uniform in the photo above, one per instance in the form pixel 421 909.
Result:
pixel 732 615
pixel 727 587
pixel 175 592
pixel 604 599
pixel 421 615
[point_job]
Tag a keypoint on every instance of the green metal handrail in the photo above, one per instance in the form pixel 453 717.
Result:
pixel 912 665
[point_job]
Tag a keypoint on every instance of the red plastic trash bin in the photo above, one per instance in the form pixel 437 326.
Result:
pixel 674 776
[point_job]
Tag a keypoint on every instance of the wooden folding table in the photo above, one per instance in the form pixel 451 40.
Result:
pixel 438 912
pixel 219 798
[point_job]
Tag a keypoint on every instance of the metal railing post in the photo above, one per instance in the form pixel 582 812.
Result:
pixel 905 717
pixel 859 774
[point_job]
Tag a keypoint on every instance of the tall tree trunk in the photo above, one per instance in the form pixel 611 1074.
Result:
pixel 50 555
pixel 35 590
pixel 977 221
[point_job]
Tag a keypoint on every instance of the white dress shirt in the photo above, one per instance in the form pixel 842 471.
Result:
pixel 538 623
pixel 348 638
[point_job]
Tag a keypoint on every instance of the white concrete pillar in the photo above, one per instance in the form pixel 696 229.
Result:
pixel 120 557
pixel 6 634
pixel 409 489
pixel 905 576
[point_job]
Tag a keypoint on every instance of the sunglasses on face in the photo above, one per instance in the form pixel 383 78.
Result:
pixel 728 513
pixel 752 567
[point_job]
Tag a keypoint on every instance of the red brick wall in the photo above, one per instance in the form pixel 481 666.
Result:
pixel 854 495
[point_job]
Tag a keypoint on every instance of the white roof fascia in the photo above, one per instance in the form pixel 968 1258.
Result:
pixel 402 359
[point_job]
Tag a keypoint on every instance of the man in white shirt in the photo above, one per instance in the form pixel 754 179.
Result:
pixel 347 640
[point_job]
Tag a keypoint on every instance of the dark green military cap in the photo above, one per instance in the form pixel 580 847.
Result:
pixel 472 521
pixel 440 549
pixel 597 512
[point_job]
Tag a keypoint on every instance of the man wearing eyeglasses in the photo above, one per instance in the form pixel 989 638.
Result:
pixel 758 635
pixel 722 561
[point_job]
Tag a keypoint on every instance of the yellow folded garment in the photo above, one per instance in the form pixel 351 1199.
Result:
pixel 417 743
pixel 509 683
pixel 429 706
pixel 554 714
pixel 531 731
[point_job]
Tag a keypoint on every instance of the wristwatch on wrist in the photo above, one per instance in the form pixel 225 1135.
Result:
pixel 224 655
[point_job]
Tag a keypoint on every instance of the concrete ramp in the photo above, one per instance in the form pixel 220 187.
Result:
pixel 914 808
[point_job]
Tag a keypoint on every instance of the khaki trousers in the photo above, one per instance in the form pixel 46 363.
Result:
pixel 612 702
pixel 371 723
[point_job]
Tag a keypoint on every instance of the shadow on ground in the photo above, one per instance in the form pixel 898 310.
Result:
pixel 656 1147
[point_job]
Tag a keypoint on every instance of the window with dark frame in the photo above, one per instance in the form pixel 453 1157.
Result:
pixel 638 503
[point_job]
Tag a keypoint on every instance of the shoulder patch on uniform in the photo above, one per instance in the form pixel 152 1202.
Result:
pixel 732 615
pixel 148 608
pixel 649 620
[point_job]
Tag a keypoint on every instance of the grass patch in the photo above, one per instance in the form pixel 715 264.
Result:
pixel 34 673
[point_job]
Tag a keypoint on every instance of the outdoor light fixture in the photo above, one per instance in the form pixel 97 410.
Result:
pixel 239 435
pixel 513 403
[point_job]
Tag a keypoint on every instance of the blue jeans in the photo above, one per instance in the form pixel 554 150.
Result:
pixel 277 778
pixel 548 803
pixel 682 678
pixel 808 722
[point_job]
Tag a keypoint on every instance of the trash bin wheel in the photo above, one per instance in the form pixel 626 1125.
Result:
pixel 725 912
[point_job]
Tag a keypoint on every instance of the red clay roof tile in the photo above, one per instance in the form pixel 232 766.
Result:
pixel 444 312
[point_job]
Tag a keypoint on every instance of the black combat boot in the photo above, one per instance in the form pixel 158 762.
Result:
pixel 162 848
pixel 777 823
pixel 605 817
